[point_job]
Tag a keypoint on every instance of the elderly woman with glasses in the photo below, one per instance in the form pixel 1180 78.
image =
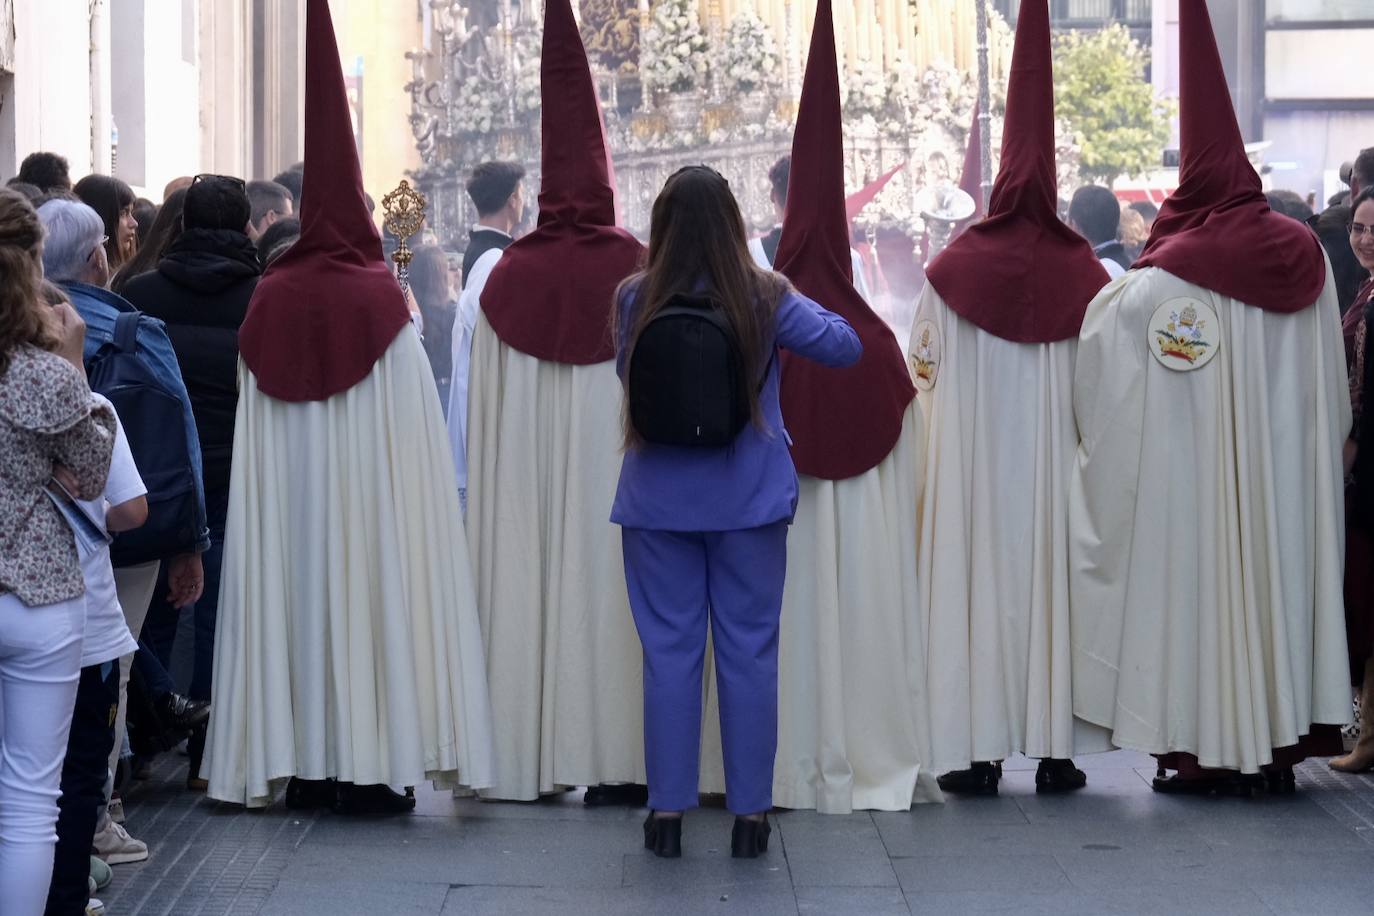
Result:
pixel 1359 500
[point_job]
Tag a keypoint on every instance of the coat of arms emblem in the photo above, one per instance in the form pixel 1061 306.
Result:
pixel 1184 334
pixel 925 355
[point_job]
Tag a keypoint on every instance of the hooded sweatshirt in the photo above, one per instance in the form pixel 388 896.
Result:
pixel 200 291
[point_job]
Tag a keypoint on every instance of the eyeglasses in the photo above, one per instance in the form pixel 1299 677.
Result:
pixel 100 246
pixel 1359 231
pixel 237 182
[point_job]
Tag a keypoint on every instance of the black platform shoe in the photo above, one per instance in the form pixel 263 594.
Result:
pixel 371 801
pixel 305 794
pixel 979 779
pixel 663 836
pixel 625 795
pixel 749 839
pixel 1056 776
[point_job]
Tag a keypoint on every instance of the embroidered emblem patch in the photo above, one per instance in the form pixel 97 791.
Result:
pixel 925 355
pixel 1185 334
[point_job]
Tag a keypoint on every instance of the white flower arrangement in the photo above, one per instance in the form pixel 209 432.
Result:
pixel 475 107
pixel 749 60
pixel 864 91
pixel 528 97
pixel 675 49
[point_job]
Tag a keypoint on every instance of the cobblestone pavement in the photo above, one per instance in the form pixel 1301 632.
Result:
pixel 1115 848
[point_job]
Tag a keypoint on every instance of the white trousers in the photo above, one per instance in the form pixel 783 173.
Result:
pixel 40 665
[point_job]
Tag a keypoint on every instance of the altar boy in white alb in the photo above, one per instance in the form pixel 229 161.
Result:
pixel 1206 517
pixel 348 658
pixel 992 353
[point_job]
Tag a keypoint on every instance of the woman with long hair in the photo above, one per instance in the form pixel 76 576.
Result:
pixel 164 231
pixel 1359 490
pixel 432 285
pixel 52 433
pixel 114 201
pixel 704 526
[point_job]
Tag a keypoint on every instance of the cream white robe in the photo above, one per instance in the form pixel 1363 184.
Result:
pixel 563 657
pixel 1207 528
pixel 993 559
pixel 853 728
pixel 348 643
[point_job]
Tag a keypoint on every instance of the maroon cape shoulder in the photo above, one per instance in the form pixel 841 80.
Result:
pixel 303 342
pixel 551 295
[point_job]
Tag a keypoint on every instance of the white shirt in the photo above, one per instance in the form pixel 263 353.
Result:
pixel 1114 269
pixel 107 633
pixel 464 324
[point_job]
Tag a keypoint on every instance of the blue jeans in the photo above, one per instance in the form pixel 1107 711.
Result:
pixel 159 630
pixel 83 787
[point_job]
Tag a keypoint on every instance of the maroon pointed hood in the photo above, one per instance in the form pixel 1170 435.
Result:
pixel 855 203
pixel 1217 230
pixel 551 294
pixel 328 308
pixel 1022 274
pixel 843 422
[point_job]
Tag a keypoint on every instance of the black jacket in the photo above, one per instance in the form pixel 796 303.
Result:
pixel 201 290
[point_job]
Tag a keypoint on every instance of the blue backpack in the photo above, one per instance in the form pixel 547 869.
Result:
pixel 154 424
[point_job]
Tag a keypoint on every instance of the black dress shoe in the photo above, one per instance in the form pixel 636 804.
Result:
pixel 979 779
pixel 378 800
pixel 1280 781
pixel 307 794
pixel 749 839
pixel 181 713
pixel 1054 776
pixel 663 836
pixel 1221 784
pixel 625 795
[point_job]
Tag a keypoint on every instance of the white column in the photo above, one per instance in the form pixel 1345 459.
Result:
pixel 226 87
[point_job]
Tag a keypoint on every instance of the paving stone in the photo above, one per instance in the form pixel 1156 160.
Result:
pixel 1115 849
pixel 701 900
pixel 356 898
pixel 872 901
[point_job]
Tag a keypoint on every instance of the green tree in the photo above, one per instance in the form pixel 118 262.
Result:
pixel 1101 94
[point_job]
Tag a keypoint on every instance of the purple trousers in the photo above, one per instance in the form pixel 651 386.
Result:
pixel 679 583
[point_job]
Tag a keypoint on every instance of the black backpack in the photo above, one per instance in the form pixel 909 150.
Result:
pixel 686 377
pixel 155 426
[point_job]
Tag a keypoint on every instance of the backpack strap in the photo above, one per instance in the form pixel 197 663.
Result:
pixel 126 331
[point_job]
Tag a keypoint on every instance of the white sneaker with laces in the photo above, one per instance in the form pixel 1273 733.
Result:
pixel 116 847
pixel 94 907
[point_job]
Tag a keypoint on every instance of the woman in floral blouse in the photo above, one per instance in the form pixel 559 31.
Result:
pixel 50 429
pixel 1359 499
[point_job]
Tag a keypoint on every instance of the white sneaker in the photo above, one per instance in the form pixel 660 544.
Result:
pixel 94 907
pixel 116 847
pixel 117 810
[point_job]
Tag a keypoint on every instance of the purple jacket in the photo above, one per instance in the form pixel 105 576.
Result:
pixel 752 482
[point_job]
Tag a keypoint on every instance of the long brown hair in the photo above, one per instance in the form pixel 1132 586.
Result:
pixel 697 245
pixel 429 278
pixel 22 319
pixel 164 232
